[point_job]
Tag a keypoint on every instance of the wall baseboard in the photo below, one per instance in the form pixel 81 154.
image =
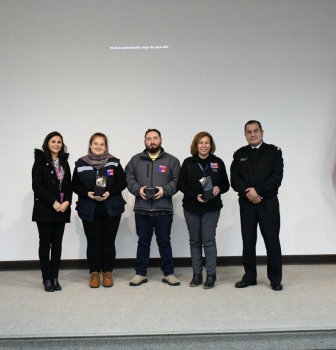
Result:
pixel 179 262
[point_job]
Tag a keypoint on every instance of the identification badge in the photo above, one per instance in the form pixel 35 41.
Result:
pixel 162 169
pixel 110 172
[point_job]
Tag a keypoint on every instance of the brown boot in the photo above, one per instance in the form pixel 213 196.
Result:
pixel 107 279
pixel 94 279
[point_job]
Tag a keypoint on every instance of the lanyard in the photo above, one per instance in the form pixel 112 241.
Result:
pixel 204 170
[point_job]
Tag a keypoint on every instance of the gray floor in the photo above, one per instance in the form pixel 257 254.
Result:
pixel 308 302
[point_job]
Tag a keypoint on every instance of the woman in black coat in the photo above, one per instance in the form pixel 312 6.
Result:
pixel 202 215
pixel 52 199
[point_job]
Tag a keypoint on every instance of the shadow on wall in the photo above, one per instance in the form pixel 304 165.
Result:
pixel 328 173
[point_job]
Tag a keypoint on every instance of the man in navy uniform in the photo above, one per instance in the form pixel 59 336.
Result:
pixel 256 174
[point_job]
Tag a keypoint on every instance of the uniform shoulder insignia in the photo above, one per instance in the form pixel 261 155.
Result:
pixel 278 148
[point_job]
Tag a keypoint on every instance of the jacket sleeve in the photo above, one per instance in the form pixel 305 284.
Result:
pixel 171 188
pixel 132 184
pixel 237 182
pixel 224 181
pixel 183 183
pixel 120 181
pixel 77 185
pixel 67 177
pixel 37 183
pixel 273 181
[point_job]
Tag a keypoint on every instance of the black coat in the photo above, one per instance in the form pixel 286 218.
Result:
pixel 189 184
pixel 263 171
pixel 46 190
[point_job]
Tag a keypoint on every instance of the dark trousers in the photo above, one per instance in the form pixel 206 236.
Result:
pixel 161 225
pixel 202 233
pixel 101 235
pixel 50 248
pixel 267 214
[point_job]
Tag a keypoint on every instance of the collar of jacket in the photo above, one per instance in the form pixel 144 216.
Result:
pixel 145 155
pixel 40 154
pixel 209 159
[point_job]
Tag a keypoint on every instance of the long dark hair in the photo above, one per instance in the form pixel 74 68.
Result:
pixel 62 155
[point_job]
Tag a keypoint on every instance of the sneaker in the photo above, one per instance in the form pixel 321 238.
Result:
pixel 137 280
pixel 171 280
pixel 107 279
pixel 94 279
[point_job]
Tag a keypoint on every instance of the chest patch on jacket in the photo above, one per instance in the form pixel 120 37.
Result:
pixel 110 172
pixel 162 168
pixel 243 159
pixel 214 165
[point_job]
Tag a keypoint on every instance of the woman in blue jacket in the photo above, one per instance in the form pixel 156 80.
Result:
pixel 51 180
pixel 100 211
pixel 202 215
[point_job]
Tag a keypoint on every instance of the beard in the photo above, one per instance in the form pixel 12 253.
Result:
pixel 153 148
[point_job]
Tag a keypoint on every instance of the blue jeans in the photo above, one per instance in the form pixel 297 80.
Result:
pixel 202 232
pixel 145 226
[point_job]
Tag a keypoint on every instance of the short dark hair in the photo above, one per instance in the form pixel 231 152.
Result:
pixel 252 122
pixel 156 130
pixel 196 140
pixel 98 134
pixel 61 154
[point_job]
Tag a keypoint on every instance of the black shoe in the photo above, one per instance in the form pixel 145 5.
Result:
pixel 276 286
pixel 243 284
pixel 196 281
pixel 56 284
pixel 210 282
pixel 48 286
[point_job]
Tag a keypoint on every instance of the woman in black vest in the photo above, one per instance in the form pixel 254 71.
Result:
pixel 52 198
pixel 99 179
pixel 202 215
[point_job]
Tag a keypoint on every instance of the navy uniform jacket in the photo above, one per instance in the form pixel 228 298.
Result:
pixel 264 171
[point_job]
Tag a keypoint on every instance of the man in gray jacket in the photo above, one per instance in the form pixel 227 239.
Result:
pixel 151 177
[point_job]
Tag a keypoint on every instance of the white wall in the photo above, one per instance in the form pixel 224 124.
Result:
pixel 227 62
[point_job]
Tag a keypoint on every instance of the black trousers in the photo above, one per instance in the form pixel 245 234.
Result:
pixel 50 248
pixel 267 215
pixel 101 235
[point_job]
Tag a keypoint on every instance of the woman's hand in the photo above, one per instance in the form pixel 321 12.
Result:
pixel 105 195
pixel 56 205
pixel 199 198
pixel 216 190
pixel 98 198
pixel 63 207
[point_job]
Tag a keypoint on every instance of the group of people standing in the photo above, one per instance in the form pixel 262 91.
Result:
pixel 153 177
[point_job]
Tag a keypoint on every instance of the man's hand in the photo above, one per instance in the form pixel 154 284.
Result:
pixel 159 194
pixel 142 193
pixel 253 196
